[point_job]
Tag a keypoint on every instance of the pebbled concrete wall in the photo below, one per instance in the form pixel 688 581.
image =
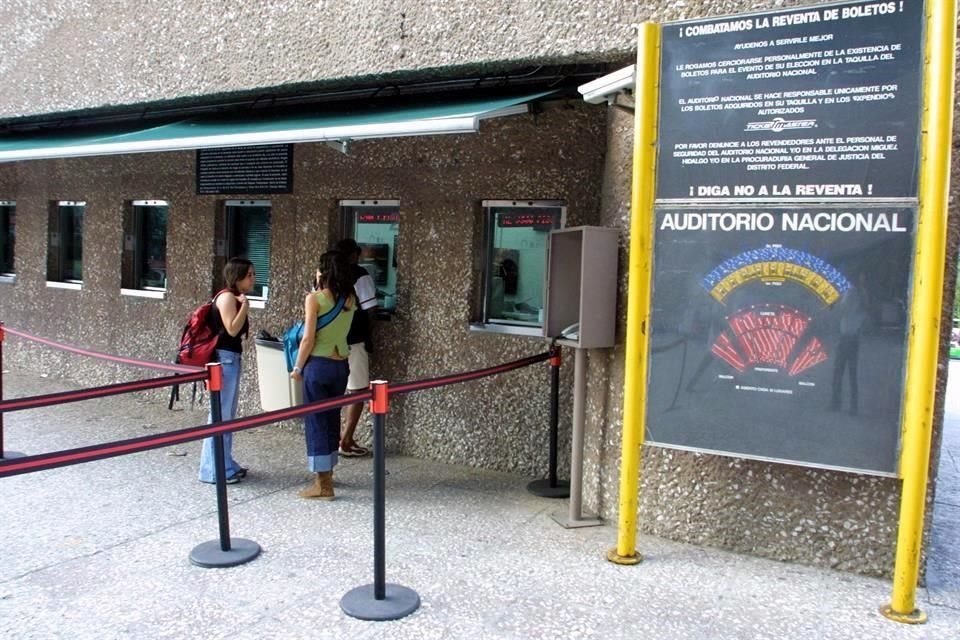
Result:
pixel 498 423
pixel 72 55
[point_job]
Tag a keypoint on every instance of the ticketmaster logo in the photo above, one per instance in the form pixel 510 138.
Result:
pixel 779 124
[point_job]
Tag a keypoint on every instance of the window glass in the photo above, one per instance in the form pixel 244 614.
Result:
pixel 65 248
pixel 248 236
pixel 71 232
pixel 375 225
pixel 8 225
pixel 516 258
pixel 150 218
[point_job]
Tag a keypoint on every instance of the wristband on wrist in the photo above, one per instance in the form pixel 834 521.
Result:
pixel 297 370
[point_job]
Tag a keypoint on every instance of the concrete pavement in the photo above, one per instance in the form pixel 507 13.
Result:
pixel 943 554
pixel 101 551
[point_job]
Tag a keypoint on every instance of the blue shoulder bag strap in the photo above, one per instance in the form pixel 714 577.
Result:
pixel 331 315
pixel 293 335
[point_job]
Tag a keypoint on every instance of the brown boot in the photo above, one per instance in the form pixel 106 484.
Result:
pixel 322 487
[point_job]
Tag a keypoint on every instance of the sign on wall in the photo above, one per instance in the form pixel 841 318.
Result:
pixel 778 333
pixel 812 103
pixel 245 170
pixel 785 224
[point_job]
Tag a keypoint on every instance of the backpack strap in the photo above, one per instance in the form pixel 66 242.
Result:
pixel 213 303
pixel 213 300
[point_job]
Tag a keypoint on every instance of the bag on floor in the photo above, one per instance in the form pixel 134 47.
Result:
pixel 293 335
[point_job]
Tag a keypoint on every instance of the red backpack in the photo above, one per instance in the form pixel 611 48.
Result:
pixel 199 338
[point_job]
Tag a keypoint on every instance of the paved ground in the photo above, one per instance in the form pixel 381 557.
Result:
pixel 101 551
pixel 943 563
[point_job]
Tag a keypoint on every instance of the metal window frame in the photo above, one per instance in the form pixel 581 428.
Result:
pixel 139 241
pixel 5 230
pixel 503 326
pixel 348 221
pixel 62 249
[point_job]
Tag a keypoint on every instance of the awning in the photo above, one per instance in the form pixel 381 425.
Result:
pixel 252 130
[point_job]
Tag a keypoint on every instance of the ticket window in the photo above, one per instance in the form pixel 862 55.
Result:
pixel 375 226
pixel 517 235
pixel 144 258
pixel 248 235
pixel 8 235
pixel 65 243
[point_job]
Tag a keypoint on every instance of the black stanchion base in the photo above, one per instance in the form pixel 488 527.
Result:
pixel 543 489
pixel 360 603
pixel 10 455
pixel 209 555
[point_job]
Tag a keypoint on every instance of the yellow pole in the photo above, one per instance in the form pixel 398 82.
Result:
pixel 923 349
pixel 638 294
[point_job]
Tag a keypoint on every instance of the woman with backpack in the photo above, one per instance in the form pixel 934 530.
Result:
pixel 322 365
pixel 229 322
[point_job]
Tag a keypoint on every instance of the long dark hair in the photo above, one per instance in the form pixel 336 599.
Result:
pixel 335 274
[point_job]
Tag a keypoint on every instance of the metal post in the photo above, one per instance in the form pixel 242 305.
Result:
pixel 926 307
pixel 552 487
pixel 379 510
pixel 379 601
pixel 575 517
pixel 576 443
pixel 642 188
pixel 225 551
pixel 4 455
pixel 554 420
pixel 223 516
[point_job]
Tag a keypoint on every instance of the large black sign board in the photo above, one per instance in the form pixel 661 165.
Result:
pixel 810 103
pixel 780 333
pixel 245 170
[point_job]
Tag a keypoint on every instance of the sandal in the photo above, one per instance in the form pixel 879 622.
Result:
pixel 354 451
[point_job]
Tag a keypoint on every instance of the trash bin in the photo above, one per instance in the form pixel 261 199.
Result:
pixel 277 389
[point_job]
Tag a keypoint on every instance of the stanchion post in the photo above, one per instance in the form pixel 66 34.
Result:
pixel 219 461
pixel 552 487
pixel 225 551
pixel 4 454
pixel 380 407
pixel 380 600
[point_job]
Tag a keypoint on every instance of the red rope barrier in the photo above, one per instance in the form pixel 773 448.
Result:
pixel 69 457
pixel 63 397
pixel 430 383
pixel 150 364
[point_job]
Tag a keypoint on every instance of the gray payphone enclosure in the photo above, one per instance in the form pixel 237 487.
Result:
pixel 581 286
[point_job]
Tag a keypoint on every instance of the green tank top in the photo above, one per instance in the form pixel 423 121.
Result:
pixel 332 339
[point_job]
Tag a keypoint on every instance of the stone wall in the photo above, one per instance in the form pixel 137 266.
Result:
pixel 498 423
pixel 84 54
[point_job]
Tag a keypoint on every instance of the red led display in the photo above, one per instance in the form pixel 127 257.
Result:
pixel 526 220
pixel 380 217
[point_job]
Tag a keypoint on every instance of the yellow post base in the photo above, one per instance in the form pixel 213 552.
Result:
pixel 914 617
pixel 616 558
